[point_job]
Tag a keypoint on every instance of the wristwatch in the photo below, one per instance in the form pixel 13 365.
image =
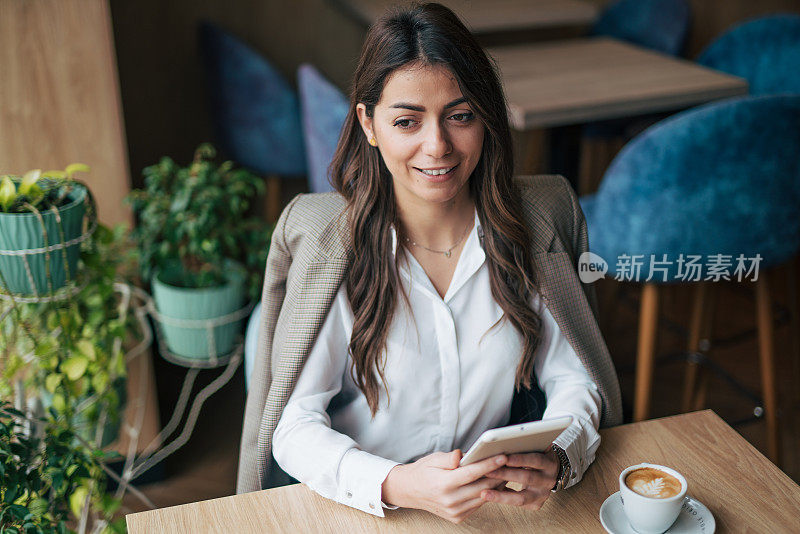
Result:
pixel 563 469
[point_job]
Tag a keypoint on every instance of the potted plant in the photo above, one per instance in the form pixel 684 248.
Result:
pixel 39 212
pixel 202 253
pixel 63 362
pixel 69 354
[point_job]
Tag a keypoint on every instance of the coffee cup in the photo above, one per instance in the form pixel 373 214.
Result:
pixel 652 496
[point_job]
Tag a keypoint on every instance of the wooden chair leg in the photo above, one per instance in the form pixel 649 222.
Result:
pixel 793 275
pixel 767 356
pixel 695 328
pixel 535 150
pixel 645 354
pixel 706 333
pixel 587 166
pixel 608 294
pixel 273 199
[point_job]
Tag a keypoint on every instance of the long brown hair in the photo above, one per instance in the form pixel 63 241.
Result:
pixel 429 34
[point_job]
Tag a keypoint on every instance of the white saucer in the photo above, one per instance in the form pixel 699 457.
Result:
pixel 694 518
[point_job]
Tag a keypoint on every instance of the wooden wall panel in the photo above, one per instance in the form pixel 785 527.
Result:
pixel 59 97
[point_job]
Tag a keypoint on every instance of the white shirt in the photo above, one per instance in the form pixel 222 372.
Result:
pixel 450 376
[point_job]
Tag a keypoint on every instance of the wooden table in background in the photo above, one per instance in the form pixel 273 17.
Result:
pixel 486 16
pixel 582 80
pixel 743 490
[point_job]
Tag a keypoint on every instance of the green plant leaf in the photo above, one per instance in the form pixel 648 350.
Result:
pixel 100 381
pixel 75 366
pixel 8 193
pixel 77 499
pixel 10 494
pixel 52 382
pixel 109 504
pixel 72 168
pixel 38 507
pixel 18 511
pixel 28 180
pixel 86 348
pixel 59 403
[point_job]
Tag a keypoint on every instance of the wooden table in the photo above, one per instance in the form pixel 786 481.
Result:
pixel 487 16
pixel 743 490
pixel 582 80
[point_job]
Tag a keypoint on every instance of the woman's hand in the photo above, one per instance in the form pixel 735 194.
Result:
pixel 536 472
pixel 437 484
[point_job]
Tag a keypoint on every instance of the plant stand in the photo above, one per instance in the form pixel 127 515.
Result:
pixel 158 449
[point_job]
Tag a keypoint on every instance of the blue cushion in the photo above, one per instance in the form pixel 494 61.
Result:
pixel 323 108
pixel 255 112
pixel 657 24
pixel 764 51
pixel 719 179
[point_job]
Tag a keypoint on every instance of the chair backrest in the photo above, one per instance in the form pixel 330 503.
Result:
pixel 323 109
pixel 719 179
pixel 765 51
pixel 255 112
pixel 661 25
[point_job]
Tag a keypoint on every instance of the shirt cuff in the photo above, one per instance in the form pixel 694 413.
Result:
pixel 361 476
pixel 580 454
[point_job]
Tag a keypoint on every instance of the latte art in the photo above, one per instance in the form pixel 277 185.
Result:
pixel 653 483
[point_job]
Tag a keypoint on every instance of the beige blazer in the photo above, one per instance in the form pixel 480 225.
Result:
pixel 307 262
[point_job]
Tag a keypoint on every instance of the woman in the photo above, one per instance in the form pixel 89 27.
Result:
pixel 430 299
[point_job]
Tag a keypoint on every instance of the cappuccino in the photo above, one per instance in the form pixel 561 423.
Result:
pixel 653 483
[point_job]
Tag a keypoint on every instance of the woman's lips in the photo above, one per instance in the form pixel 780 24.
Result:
pixel 438 177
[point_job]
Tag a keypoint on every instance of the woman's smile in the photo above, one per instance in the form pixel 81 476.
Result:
pixel 437 174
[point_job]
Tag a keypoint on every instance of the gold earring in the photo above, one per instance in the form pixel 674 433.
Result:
pixel 373 141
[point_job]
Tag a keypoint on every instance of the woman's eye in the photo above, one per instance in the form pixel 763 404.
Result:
pixel 404 123
pixel 463 117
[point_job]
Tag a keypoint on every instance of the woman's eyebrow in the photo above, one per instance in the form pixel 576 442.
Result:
pixel 414 107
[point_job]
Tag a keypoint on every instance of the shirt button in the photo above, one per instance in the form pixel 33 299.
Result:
pixel 349 494
pixel 371 505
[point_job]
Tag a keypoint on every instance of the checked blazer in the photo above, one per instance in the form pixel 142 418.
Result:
pixel 308 260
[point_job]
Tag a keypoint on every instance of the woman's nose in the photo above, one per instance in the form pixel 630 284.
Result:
pixel 436 143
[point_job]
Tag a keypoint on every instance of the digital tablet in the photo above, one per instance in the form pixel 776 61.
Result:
pixel 526 437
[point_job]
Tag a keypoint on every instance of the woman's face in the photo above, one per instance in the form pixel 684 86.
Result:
pixel 427 133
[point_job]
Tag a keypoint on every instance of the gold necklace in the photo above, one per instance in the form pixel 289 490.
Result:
pixel 447 252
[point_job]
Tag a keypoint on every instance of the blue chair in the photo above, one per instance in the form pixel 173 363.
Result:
pixel 661 25
pixel 255 112
pixel 764 51
pixel 722 179
pixel 323 109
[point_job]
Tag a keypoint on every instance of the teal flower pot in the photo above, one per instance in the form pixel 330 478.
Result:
pixel 181 303
pixel 23 231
